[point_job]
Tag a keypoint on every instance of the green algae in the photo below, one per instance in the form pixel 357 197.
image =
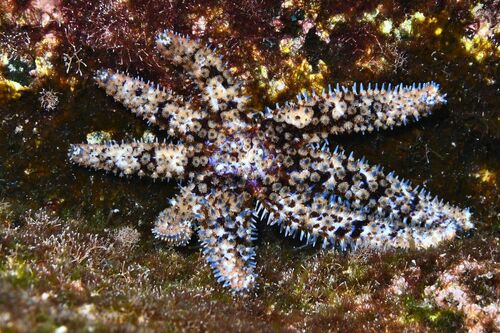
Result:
pixel 18 70
pixel 17 272
pixel 440 320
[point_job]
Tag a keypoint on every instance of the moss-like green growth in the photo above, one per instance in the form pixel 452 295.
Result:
pixel 17 272
pixel 441 320
pixel 18 70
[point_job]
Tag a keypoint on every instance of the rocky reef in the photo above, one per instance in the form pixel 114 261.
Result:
pixel 75 246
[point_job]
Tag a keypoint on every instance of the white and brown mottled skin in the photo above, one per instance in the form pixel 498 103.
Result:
pixel 240 165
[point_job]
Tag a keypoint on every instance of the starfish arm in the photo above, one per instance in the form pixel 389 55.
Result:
pixel 173 227
pixel 155 160
pixel 174 224
pixel 219 89
pixel 347 110
pixel 226 236
pixel 314 219
pixel 386 211
pixel 158 106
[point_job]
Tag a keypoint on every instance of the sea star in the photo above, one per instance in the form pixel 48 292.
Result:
pixel 241 165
